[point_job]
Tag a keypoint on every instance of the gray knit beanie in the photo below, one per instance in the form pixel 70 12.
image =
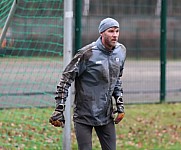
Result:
pixel 107 23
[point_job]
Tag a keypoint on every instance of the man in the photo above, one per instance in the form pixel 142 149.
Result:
pixel 96 69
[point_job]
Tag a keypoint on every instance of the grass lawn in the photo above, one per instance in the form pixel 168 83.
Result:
pixel 145 127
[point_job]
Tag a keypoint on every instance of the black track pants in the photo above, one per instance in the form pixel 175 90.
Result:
pixel 106 135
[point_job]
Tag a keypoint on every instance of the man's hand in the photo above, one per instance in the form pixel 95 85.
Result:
pixel 120 109
pixel 57 119
pixel 119 117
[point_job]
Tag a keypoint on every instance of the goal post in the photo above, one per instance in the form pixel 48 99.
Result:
pixel 11 13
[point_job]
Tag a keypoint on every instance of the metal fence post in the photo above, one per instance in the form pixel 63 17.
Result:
pixel 67 56
pixel 78 16
pixel 163 47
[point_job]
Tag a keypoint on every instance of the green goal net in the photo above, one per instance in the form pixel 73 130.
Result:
pixel 30 52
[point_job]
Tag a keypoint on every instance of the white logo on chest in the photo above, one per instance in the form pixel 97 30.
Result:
pixel 99 62
pixel 117 59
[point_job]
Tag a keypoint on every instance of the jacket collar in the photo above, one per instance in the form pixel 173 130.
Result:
pixel 102 47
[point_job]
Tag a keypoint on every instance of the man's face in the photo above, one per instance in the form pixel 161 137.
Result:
pixel 110 37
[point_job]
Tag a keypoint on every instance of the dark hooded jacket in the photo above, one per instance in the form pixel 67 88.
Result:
pixel 97 74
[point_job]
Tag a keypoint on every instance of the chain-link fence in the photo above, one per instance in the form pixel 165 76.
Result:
pixel 36 33
pixel 140 33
